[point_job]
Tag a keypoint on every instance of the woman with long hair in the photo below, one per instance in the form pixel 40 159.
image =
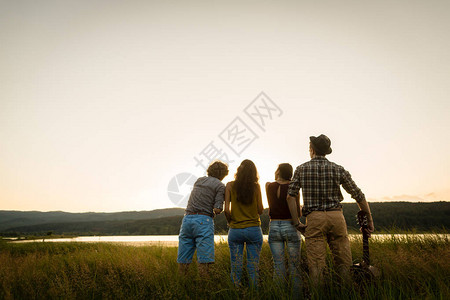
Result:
pixel 243 206
pixel 283 232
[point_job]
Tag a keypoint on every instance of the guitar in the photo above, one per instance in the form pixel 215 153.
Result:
pixel 364 269
pixel 364 224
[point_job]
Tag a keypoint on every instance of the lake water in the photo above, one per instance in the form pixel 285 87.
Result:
pixel 172 240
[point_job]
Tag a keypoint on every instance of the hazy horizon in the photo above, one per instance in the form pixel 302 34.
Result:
pixel 103 104
pixel 183 208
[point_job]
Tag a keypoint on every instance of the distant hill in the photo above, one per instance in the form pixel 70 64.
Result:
pixel 11 219
pixel 387 215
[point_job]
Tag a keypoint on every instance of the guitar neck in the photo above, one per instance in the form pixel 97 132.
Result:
pixel 363 223
pixel 366 255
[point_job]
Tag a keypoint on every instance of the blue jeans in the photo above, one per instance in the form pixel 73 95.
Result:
pixel 283 234
pixel 251 237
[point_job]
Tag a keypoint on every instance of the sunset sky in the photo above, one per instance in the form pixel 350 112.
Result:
pixel 103 103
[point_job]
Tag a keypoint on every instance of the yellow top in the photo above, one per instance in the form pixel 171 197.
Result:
pixel 243 216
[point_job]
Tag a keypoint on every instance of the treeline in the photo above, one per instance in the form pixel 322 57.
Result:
pixel 11 219
pixel 401 216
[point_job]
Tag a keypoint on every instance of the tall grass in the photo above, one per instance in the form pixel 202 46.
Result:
pixel 411 268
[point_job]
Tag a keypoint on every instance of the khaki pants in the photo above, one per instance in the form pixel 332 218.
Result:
pixel 327 227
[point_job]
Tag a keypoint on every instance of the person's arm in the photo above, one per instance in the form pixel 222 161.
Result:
pixel 219 198
pixel 293 193
pixel 299 208
pixel 267 195
pixel 227 210
pixel 364 206
pixel 292 204
pixel 293 209
pixel 350 186
pixel 294 186
pixel 259 200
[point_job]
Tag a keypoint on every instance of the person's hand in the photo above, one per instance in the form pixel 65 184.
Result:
pixel 301 227
pixel 227 216
pixel 370 228
pixel 217 211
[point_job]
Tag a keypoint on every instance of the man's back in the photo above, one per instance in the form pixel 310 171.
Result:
pixel 208 192
pixel 320 182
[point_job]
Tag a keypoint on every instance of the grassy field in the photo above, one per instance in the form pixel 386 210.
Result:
pixel 411 267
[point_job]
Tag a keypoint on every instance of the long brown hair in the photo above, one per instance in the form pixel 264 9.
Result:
pixel 246 179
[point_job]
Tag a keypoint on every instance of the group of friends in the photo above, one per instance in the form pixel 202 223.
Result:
pixel 320 181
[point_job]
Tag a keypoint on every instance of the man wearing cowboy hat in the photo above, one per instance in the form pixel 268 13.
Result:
pixel 320 182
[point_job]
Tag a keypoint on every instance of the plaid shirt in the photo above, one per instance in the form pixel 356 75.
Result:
pixel 320 182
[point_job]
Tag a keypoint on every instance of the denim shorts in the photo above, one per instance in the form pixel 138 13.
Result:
pixel 196 233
